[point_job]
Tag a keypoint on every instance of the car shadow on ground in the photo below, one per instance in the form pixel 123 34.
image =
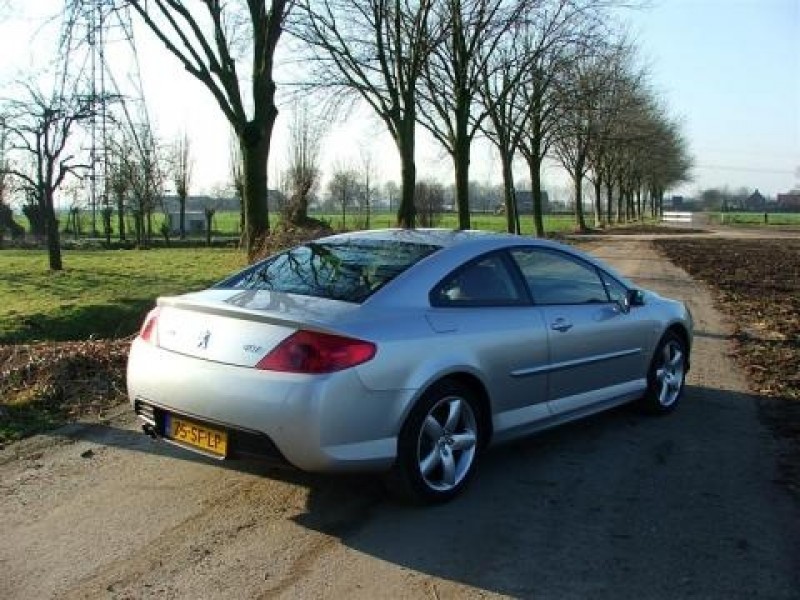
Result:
pixel 617 505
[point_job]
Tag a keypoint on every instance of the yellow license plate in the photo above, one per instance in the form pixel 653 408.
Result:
pixel 198 436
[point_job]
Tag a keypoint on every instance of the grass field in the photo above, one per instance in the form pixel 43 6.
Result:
pixel 750 219
pixel 99 293
pixel 227 223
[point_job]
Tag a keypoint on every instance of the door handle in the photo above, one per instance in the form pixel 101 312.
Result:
pixel 561 325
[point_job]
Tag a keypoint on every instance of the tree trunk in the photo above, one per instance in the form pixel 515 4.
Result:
pixel 534 166
pixel 629 204
pixel 407 212
pixel 512 219
pixel 609 201
pixel 577 178
pixel 344 210
pixel 461 159
pixel 182 225
pixel 368 209
pixel 107 216
pixel 121 217
pixel 254 144
pixel 51 232
pixel 639 203
pixel 598 208
pixel 209 218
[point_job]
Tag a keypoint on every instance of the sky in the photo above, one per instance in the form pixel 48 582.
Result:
pixel 729 70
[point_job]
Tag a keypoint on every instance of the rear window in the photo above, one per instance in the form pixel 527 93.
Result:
pixel 349 270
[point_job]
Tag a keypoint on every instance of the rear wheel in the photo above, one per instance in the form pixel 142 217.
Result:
pixel 438 445
pixel 667 377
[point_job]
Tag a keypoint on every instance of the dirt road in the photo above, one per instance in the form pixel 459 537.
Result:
pixel 618 506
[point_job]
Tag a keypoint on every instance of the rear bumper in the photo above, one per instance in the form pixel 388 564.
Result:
pixel 241 442
pixel 316 423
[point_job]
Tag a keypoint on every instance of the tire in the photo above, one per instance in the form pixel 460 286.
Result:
pixel 666 378
pixel 438 446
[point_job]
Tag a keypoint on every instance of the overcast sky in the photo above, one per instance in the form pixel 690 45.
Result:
pixel 729 69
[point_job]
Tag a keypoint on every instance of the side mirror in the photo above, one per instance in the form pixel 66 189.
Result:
pixel 632 298
pixel 635 298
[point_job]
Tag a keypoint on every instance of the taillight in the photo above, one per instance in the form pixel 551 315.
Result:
pixel 149 330
pixel 313 352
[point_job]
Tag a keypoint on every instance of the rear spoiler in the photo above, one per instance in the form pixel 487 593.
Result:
pixel 230 309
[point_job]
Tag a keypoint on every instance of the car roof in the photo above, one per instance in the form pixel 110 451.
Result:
pixel 453 238
pixel 436 237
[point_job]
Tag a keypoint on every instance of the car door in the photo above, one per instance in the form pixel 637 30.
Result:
pixel 485 312
pixel 596 346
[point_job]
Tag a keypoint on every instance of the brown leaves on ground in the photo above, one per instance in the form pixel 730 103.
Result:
pixel 757 283
pixel 43 385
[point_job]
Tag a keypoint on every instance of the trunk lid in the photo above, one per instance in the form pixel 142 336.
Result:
pixel 240 327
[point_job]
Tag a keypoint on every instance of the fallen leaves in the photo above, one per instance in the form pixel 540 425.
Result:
pixel 757 282
pixel 45 384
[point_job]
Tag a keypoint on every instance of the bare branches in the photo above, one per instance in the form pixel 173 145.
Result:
pixel 376 49
pixel 303 173
pixel 38 130
pixel 204 40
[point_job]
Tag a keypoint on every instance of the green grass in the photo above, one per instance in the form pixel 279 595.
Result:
pixel 99 293
pixel 226 223
pixel 750 219
pixel 552 223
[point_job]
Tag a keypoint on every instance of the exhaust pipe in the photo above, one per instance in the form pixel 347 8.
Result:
pixel 150 430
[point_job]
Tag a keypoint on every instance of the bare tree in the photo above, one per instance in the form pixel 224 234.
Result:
pixel 368 176
pixel 303 173
pixel 392 192
pixel 236 167
pixel 6 214
pixel 430 202
pixel 204 39
pixel 454 74
pixel 580 94
pixel 343 189
pixel 144 166
pixel 39 130
pixel 119 184
pixel 181 171
pixel 376 49
pixel 502 94
pixel 553 32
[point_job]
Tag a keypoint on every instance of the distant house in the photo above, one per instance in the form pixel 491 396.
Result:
pixel 789 202
pixel 525 202
pixel 755 202
pixel 195 221
pixel 231 204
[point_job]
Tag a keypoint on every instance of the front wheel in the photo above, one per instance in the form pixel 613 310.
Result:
pixel 438 445
pixel 667 377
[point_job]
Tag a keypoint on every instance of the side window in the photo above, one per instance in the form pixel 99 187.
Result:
pixel 556 278
pixel 485 282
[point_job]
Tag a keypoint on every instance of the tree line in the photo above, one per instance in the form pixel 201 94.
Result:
pixel 540 79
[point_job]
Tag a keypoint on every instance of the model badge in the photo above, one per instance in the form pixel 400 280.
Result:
pixel 202 340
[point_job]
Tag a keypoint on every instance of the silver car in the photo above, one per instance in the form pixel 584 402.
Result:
pixel 404 351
